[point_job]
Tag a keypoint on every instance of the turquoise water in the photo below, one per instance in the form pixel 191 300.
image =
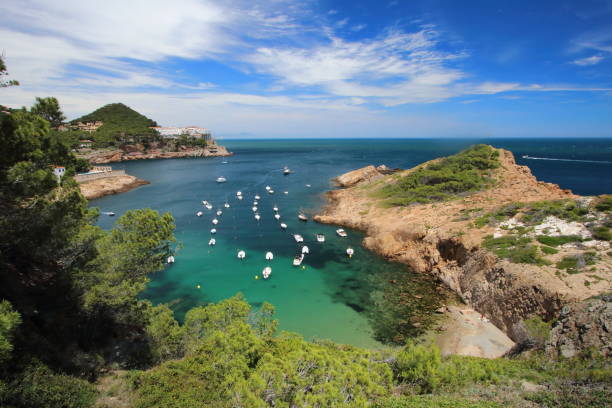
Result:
pixel 331 296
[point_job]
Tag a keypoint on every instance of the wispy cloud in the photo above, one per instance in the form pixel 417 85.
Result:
pixel 584 62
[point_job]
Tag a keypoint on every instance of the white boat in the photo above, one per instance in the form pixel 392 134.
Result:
pixel 240 197
pixel 208 207
pixel 298 238
pixel 257 217
pixel 221 179
pixel 285 192
pixel 350 252
pixel 241 254
pixel 269 256
pixel 320 238
pixel 307 185
pixel 268 188
pixel 215 221
pixel 266 272
pixel 224 162
pixel 305 250
pixel 277 216
pixel 226 205
pixel 257 197
pixel 341 232
pixel 286 171
pixel 255 203
pixel 212 242
pixel 270 191
pixel 297 261
pixel 204 203
pixel 275 209
pixel 254 209
pixel 238 193
pixel 283 225
pixel 109 213
pixel 170 259
pixel 213 231
pixel 302 217
pixel 199 213
pixel 219 212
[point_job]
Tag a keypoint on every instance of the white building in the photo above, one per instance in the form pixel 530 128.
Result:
pixel 193 131
pixel 59 172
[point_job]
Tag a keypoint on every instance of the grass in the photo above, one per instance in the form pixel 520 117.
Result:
pixel 602 233
pixel 548 250
pixel 604 204
pixel 564 209
pixel 556 241
pixel 574 263
pixel 502 214
pixel 464 172
pixel 515 248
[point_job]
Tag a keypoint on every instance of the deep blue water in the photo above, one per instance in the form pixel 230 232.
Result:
pixel 324 299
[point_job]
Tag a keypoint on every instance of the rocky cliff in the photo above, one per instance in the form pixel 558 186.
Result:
pixel 138 152
pixel 440 240
pixel 110 185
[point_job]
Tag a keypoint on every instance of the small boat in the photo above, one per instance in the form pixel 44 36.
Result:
pixel 266 272
pixel 302 217
pixel 286 171
pixel 341 232
pixel 285 192
pixel 298 238
pixel 270 191
pixel 268 188
pixel 277 216
pixel 257 197
pixel 255 202
pixel 226 205
pixel 350 252
pixel 219 212
pixel 199 213
pixel 170 259
pixel 257 217
pixel 224 162
pixel 308 185
pixel 208 207
pixel 212 242
pixel 215 221
pixel 269 256
pixel 525 156
pixel 297 261
pixel 275 209
pixel 238 193
pixel 283 225
pixel 221 179
pixel 109 213
pixel 241 254
pixel 204 203
pixel 254 209
pixel 213 231
pixel 305 250
pixel 240 197
pixel 320 238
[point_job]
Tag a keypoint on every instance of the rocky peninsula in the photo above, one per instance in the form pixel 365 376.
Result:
pixel 154 151
pixel 101 187
pixel 515 249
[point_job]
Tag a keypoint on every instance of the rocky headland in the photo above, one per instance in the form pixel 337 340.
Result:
pixel 140 152
pixel 101 187
pixel 464 243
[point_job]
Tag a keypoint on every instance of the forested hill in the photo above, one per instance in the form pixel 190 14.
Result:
pixel 117 114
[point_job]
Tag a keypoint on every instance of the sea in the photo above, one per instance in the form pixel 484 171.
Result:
pixel 329 296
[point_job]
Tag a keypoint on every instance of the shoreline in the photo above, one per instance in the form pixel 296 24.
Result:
pixel 139 153
pixel 98 188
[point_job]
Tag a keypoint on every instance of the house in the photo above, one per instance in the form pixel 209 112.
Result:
pixel 59 172
pixel 87 126
pixel 85 143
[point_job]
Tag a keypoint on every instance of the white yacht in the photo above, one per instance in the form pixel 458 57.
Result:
pixel 266 272
pixel 275 209
pixel 341 232
pixel 283 225
pixel 212 242
pixel 269 256
pixel 208 206
pixel 254 209
pixel 302 217
pixel 221 179
pixel 297 261
pixel 170 259
pixel 286 171
pixel 204 203
pixel 277 216
pixel 305 250
pixel 257 197
pixel 257 217
pixel 241 254
pixel 238 193
pixel 226 205
pixel 215 221
pixel 320 238
pixel 350 252
pixel 268 188
pixel 298 238
pixel 199 213
pixel 270 191
pixel 255 202
pixel 213 231
pixel 219 212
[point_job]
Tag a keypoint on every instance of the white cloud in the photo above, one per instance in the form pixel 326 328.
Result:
pixel 584 62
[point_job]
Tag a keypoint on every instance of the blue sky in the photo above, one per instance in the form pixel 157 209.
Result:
pixel 322 68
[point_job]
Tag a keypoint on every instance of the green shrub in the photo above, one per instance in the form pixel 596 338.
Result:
pixel 419 365
pixel 548 250
pixel 604 203
pixel 563 209
pixel 538 329
pixel 463 172
pixel 602 233
pixel 514 248
pixel 502 214
pixel 432 401
pixel 556 241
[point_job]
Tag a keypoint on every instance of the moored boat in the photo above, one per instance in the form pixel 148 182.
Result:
pixel 212 242
pixel 268 188
pixel 199 213
pixel 302 217
pixel 215 221
pixel 266 272
pixel 170 259
pixel 213 231
pixel 219 212
pixel 298 238
pixel 208 206
pixel 254 209
pixel 109 213
pixel 286 171
pixel 275 209
pixel 320 238
pixel 257 197
pixel 341 232
pixel 350 252
pixel 305 250
pixel 241 254
pixel 269 256
pixel 277 216
pixel 221 179
pixel 257 217
pixel 297 260
pixel 226 205
pixel 283 225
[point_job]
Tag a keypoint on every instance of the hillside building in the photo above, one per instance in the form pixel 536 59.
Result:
pixel 192 131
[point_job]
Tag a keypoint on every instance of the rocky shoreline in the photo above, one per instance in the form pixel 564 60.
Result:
pixel 437 239
pixel 138 152
pixel 110 185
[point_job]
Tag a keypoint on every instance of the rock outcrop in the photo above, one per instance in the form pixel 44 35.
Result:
pixel 138 152
pixel 438 239
pixel 109 185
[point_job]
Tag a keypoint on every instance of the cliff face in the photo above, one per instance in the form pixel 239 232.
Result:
pixel 138 152
pixel 437 239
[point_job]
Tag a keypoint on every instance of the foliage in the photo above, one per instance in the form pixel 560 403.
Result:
pixel 505 212
pixel 604 203
pixel 9 320
pixel 516 249
pixel 464 172
pixel 538 329
pixel 556 241
pixel 49 109
pixel 5 83
pixel 165 335
pixel 548 250
pixel 602 233
pixel 564 209
pixel 574 263
pixel 432 401
pixel 38 386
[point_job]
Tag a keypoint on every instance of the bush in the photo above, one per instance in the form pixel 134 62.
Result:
pixel 602 233
pixel 548 250
pixel 556 241
pixel 604 203
pixel 563 209
pixel 514 248
pixel 431 401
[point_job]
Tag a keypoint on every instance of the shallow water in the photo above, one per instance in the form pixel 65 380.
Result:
pixel 329 297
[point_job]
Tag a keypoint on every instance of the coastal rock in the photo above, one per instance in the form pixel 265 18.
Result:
pixel 357 176
pixel 109 185
pixel 138 152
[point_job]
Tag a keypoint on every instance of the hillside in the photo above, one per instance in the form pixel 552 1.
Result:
pixel 117 114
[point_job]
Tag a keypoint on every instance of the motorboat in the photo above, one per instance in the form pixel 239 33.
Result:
pixel 308 185
pixel 286 171
pixel 257 217
pixel 255 203
pixel 305 250
pixel 275 209
pixel 240 197
pixel 219 212
pixel 226 205
pixel 213 231
pixel 109 213
pixel 270 191
pixel 269 256
pixel 238 193
pixel 241 254
pixel 224 162
pixel 254 209
pixel 297 260
pixel 204 203
pixel 341 232
pixel 221 179
pixel 285 192
pixel 298 238
pixel 302 217
pixel 320 238
pixel 268 188
pixel 170 259
pixel 266 272
pixel 257 197
pixel 283 225
pixel 277 216
pixel 350 252
pixel 212 242
pixel 199 213
pixel 208 206
pixel 215 221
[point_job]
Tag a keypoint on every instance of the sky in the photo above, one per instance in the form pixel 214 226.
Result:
pixel 282 68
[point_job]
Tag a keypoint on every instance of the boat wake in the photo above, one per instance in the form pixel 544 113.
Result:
pixel 567 160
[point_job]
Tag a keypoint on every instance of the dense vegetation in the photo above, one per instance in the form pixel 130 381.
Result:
pixel 444 179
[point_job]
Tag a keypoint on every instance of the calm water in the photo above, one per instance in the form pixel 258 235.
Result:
pixel 328 298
